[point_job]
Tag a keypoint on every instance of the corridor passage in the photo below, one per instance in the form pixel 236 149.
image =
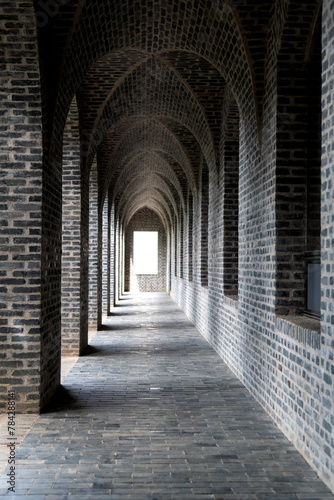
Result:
pixel 151 411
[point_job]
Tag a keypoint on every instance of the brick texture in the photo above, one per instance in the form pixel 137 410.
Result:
pixel 74 222
pixel 93 257
pixel 21 207
pixel 208 121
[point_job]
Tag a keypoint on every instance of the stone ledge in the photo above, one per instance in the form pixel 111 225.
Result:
pixel 301 328
pixel 232 297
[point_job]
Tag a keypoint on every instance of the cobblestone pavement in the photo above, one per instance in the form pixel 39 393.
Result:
pixel 152 412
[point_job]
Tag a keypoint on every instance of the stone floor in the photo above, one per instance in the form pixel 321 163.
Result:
pixel 151 412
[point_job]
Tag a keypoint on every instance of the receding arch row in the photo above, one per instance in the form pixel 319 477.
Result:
pixel 146 163
pixel 224 46
pixel 143 64
pixel 154 90
pixel 140 200
pixel 142 183
pixel 145 135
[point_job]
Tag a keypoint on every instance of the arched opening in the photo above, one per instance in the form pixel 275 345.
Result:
pixel 142 275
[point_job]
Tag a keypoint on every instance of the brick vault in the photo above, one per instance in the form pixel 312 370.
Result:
pixel 209 122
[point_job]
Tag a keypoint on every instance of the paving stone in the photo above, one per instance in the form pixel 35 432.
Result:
pixel 124 426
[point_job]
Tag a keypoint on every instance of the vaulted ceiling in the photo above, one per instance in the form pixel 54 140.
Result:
pixel 149 79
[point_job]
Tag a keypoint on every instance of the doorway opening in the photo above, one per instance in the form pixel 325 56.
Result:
pixel 145 252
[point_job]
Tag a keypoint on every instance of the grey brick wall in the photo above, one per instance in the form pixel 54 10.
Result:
pixel 282 360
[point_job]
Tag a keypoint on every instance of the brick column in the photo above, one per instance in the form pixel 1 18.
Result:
pixel 117 260
pixel 93 254
pixel 169 260
pixel 111 258
pixel 121 263
pixel 105 255
pixel 99 266
pixel 20 206
pixel 73 325
pixel 84 263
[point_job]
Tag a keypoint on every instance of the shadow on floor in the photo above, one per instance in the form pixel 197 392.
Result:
pixel 91 350
pixel 63 399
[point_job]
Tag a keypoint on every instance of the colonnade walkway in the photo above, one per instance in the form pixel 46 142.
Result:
pixel 152 412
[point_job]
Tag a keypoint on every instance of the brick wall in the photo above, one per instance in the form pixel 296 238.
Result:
pixel 283 360
pixel 111 259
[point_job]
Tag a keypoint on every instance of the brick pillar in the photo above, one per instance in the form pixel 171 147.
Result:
pixel 111 258
pixel 181 241
pixel 175 260
pixel 169 260
pixel 74 323
pixel 116 262
pixel 93 253
pixel 327 243
pixel 105 255
pixel 99 266
pixel 121 262
pixel 84 263
pixel 20 206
